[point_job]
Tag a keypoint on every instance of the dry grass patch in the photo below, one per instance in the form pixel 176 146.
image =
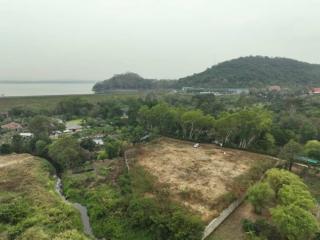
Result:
pixel 202 178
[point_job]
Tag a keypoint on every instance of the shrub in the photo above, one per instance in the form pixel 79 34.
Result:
pixel 13 212
pixel 248 225
pixel 259 195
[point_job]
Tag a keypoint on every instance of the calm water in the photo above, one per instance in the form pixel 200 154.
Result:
pixel 37 89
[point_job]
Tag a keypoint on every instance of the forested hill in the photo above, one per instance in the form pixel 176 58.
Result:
pixel 256 72
pixel 123 81
pixel 130 81
pixel 244 72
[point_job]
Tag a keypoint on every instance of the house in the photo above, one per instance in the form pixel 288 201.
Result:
pixel 13 126
pixel 315 91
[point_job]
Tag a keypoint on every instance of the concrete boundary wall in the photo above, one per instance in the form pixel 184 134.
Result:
pixel 233 206
pixel 223 216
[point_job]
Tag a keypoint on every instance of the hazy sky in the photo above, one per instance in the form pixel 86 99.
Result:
pixel 94 39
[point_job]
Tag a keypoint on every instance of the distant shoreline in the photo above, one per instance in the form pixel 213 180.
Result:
pixel 53 95
pixel 47 82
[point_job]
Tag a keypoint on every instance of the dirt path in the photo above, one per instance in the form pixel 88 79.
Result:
pixel 9 160
pixel 232 226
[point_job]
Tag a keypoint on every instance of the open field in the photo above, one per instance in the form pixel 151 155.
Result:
pixel 49 102
pixel 201 178
pixel 29 206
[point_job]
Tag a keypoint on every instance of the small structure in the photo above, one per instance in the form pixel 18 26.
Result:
pixel 315 91
pixel 56 134
pixel 67 131
pixel 124 113
pixel 98 141
pixel 145 138
pixel 307 160
pixel 274 88
pixel 72 127
pixel 26 134
pixel 13 126
pixel 196 145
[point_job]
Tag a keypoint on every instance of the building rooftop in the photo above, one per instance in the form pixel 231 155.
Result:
pixel 12 126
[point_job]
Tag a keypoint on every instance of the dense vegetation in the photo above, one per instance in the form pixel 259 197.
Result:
pixel 244 72
pixel 256 72
pixel 282 124
pixel 290 204
pixel 129 81
pixel 29 207
pixel 130 206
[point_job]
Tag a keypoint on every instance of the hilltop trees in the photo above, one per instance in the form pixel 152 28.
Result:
pixel 254 71
pixel 124 81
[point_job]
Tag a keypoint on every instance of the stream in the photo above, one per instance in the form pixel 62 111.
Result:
pixel 82 209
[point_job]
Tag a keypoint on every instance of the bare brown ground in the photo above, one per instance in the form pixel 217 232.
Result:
pixel 196 177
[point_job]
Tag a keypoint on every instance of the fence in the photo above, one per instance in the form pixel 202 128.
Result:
pixel 223 215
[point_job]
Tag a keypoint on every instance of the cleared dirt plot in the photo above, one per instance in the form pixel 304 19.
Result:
pixel 201 178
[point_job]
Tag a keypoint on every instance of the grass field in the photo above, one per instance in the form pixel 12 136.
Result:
pixel 202 179
pixel 29 206
pixel 49 102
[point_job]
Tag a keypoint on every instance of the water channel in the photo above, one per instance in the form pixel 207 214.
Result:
pixel 82 209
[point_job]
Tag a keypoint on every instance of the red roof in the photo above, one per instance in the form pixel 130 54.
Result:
pixel 315 90
pixel 12 125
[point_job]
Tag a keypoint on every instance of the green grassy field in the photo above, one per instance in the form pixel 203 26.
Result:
pixel 49 102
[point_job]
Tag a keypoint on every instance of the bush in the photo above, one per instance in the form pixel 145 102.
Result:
pixel 5 149
pixel 259 195
pixel 248 226
pixel 263 228
pixel 141 211
pixel 13 212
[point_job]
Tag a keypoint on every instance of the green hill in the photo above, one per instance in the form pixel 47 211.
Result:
pixel 244 72
pixel 255 72
pixel 124 81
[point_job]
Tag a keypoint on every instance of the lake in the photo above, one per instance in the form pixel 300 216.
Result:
pixel 8 89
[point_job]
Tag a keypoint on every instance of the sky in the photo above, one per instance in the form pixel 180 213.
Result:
pixel 164 39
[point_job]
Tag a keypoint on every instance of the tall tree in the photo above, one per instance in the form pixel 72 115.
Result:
pixel 66 152
pixel 289 152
